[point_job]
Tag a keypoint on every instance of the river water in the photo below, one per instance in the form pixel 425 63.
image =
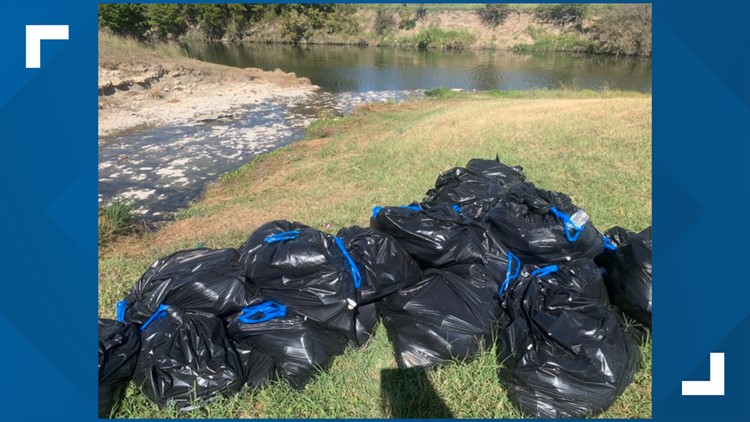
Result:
pixel 168 167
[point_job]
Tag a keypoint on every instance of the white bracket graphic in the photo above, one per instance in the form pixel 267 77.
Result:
pixel 715 384
pixel 34 36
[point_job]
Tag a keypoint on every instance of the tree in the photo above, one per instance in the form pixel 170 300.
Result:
pixel 124 19
pixel 213 20
pixel 384 22
pixel 563 14
pixel 625 29
pixel 493 15
pixel 166 19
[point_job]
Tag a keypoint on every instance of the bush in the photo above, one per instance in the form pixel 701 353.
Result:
pixel 341 19
pixel 406 22
pixel 493 15
pixel 625 29
pixel 115 219
pixel 572 41
pixel 436 37
pixel 296 26
pixel 440 92
pixel 123 19
pixel 563 14
pixel 384 22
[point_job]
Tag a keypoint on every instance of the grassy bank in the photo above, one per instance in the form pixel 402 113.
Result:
pixel 594 146
pixel 544 41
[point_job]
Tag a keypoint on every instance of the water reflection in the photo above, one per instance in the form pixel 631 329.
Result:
pixel 351 68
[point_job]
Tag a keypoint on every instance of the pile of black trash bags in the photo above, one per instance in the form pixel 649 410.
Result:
pixel 485 259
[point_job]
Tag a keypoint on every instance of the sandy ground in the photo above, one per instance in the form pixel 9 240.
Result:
pixel 179 90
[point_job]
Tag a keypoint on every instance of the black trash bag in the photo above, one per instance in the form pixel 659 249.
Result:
pixel 305 269
pixel 299 346
pixel 206 280
pixel 539 226
pixel 119 345
pixel 473 193
pixel 259 368
pixel 562 349
pixel 442 318
pixel 386 267
pixel 497 171
pixel 434 236
pixel 367 319
pixel 492 271
pixel 628 272
pixel 476 188
pixel 616 236
pixel 186 359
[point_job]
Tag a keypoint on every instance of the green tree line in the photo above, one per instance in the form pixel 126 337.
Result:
pixel 218 21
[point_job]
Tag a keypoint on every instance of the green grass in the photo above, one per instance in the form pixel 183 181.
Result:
pixel 115 219
pixel 595 146
pixel 432 37
pixel 441 92
pixel 571 41
pixel 444 39
pixel 115 49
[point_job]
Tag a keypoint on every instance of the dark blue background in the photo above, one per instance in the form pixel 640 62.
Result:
pixel 701 162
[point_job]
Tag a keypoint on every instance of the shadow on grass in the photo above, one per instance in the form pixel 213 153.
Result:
pixel 408 393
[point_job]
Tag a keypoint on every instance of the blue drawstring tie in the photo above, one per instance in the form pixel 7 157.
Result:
pixel 456 208
pixel 566 223
pixel 509 274
pixel 541 272
pixel 266 311
pixel 121 307
pixel 378 208
pixel 608 244
pixel 159 314
pixel 352 265
pixel 413 207
pixel 280 237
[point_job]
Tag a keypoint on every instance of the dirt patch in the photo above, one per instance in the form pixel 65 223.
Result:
pixel 152 90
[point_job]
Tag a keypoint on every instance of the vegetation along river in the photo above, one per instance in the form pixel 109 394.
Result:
pixel 166 167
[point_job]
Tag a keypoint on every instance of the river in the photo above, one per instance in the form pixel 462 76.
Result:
pixel 167 167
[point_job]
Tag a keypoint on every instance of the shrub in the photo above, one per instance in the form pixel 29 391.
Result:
pixel 341 19
pixel 115 219
pixel 384 22
pixel 572 41
pixel 625 29
pixel 493 15
pixel 563 14
pixel 406 22
pixel 440 92
pixel 436 37
pixel 297 26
